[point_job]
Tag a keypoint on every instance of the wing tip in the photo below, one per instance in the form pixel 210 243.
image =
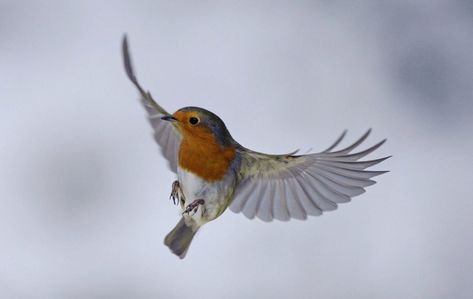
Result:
pixel 130 72
pixel 376 161
pixel 127 59
pixel 336 142
pixel 380 172
pixel 352 146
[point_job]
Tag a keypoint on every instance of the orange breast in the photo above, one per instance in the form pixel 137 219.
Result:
pixel 204 157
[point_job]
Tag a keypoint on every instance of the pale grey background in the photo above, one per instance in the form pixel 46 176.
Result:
pixel 84 190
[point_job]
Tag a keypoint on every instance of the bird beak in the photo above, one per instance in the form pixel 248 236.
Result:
pixel 169 118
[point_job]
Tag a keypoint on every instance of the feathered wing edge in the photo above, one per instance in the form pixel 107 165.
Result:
pixel 165 134
pixel 287 186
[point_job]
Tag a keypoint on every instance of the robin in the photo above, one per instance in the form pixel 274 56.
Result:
pixel 215 172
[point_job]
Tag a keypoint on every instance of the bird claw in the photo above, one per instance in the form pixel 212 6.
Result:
pixel 175 192
pixel 193 207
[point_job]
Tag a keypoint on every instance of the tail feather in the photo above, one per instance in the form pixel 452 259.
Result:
pixel 180 238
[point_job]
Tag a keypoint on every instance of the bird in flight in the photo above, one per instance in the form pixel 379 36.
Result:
pixel 215 172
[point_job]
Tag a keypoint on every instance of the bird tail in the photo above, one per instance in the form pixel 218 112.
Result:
pixel 180 238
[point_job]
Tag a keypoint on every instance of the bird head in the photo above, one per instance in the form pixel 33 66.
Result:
pixel 201 124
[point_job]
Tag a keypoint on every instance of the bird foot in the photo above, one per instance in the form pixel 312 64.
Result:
pixel 176 192
pixel 193 206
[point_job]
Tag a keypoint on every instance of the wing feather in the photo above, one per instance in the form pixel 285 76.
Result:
pixel 356 156
pixel 265 211
pixel 295 186
pixel 295 197
pixel 165 134
pixel 309 202
pixel 348 190
pixel 353 165
pixel 323 204
pixel 351 147
pixel 326 192
pixel 280 208
pixel 344 180
pixel 250 206
pixel 337 142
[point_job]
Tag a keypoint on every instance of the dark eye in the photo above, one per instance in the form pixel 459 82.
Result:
pixel 193 120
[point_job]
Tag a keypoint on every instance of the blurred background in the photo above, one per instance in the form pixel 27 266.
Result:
pixel 84 190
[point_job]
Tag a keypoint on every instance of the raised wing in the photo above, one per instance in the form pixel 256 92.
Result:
pixel 165 133
pixel 289 186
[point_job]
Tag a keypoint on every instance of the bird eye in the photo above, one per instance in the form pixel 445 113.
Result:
pixel 193 120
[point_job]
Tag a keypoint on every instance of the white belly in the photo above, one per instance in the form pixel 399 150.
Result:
pixel 215 195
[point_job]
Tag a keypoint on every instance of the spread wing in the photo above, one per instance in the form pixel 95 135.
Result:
pixel 289 186
pixel 165 133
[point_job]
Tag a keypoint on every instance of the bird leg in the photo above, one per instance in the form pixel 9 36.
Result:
pixel 176 193
pixel 193 206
